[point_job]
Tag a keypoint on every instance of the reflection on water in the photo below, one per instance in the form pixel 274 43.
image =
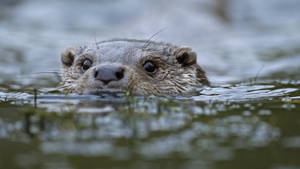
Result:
pixel 248 119
pixel 212 130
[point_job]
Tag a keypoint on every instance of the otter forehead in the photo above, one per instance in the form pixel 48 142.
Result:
pixel 122 51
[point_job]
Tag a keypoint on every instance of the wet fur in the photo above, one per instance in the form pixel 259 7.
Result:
pixel 178 71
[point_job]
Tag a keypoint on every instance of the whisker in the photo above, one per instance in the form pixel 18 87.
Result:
pixel 57 74
pixel 258 72
pixel 95 40
pixel 48 72
pixel 148 42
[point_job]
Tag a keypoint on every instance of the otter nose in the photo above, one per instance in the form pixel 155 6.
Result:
pixel 108 73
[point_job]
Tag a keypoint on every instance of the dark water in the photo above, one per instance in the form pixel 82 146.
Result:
pixel 249 118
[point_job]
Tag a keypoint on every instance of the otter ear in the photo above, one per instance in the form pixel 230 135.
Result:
pixel 67 56
pixel 185 56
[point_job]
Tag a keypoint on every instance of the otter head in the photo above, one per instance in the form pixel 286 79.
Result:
pixel 140 67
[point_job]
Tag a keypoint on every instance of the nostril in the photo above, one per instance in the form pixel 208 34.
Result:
pixel 95 73
pixel 119 73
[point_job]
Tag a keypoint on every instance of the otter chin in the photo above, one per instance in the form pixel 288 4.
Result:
pixel 140 67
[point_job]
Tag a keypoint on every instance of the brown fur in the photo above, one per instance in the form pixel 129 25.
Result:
pixel 178 72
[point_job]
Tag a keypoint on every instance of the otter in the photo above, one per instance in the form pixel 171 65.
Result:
pixel 141 67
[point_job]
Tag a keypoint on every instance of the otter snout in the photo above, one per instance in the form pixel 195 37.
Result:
pixel 108 73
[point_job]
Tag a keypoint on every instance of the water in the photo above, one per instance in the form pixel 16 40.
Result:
pixel 248 118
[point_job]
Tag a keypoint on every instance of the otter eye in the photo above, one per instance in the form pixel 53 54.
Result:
pixel 86 64
pixel 150 67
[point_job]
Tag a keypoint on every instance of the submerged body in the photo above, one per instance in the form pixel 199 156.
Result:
pixel 137 66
